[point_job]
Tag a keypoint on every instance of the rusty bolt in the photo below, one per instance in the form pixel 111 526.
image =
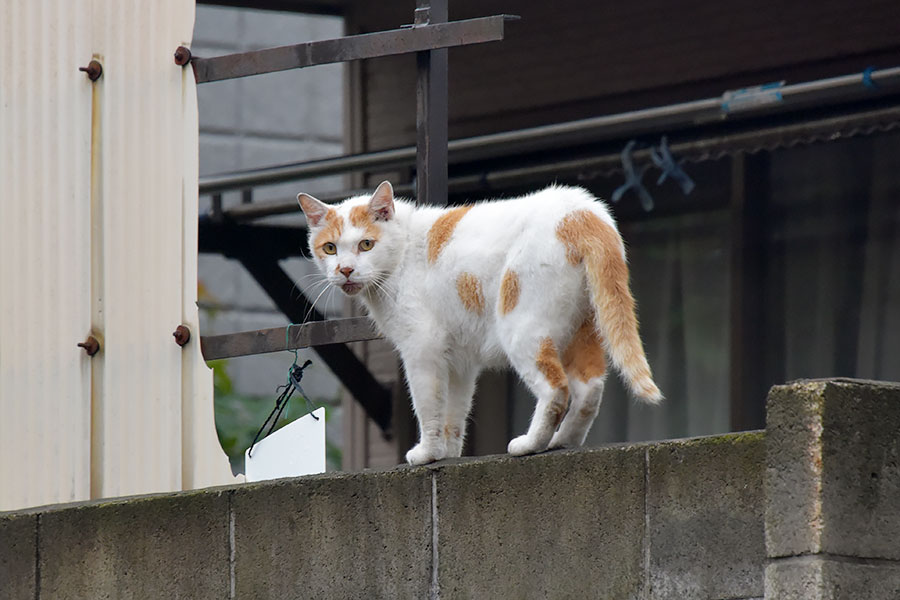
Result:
pixel 94 70
pixel 182 335
pixel 90 345
pixel 182 56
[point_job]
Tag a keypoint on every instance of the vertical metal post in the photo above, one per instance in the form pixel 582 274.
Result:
pixel 431 111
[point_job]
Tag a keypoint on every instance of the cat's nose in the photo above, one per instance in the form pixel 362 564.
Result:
pixel 346 271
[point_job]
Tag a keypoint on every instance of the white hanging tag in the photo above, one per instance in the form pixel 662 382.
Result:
pixel 296 449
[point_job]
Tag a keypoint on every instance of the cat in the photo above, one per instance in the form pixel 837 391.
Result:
pixel 538 282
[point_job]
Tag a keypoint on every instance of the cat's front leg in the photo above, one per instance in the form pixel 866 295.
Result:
pixel 426 373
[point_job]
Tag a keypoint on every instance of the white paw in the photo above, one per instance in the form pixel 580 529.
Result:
pixel 524 445
pixel 560 441
pixel 422 455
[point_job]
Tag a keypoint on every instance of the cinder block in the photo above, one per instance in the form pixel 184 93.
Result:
pixel 705 514
pixel 172 546
pixel 264 29
pixel 823 578
pixel 557 525
pixel 833 469
pixel 303 104
pixel 264 152
pixel 218 154
pixel 218 104
pixel 365 535
pixel 17 555
pixel 217 25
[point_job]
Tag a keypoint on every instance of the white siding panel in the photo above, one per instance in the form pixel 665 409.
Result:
pixel 98 234
pixel 203 461
pixel 137 409
pixel 45 116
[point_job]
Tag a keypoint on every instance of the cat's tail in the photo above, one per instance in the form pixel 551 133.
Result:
pixel 603 253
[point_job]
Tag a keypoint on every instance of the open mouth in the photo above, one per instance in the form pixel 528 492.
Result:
pixel 351 288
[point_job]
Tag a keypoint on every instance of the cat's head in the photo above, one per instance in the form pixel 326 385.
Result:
pixel 357 243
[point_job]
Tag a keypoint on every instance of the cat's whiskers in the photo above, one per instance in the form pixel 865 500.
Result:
pixel 326 286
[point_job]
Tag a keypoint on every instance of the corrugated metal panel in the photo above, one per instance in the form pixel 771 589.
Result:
pixel 45 115
pixel 98 233
pixel 138 404
pixel 203 461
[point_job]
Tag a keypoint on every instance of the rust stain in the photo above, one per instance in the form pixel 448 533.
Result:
pixel 509 291
pixel 469 289
pixel 440 233
pixel 585 358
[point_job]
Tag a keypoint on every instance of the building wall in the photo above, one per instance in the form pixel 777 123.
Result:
pixel 581 58
pixel 98 237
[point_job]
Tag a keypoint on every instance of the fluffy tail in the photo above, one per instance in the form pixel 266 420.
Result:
pixel 603 254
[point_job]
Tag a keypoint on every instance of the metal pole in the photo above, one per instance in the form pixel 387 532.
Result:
pixel 431 111
pixel 823 92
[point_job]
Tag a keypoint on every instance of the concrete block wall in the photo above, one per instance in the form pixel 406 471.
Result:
pixel 833 488
pixel 673 520
pixel 806 510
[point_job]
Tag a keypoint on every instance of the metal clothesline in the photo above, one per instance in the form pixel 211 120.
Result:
pixel 755 101
pixel 609 163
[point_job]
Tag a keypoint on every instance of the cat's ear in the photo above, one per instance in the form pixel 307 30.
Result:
pixel 314 209
pixel 382 203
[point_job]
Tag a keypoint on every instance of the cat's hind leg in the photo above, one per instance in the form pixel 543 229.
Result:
pixel 584 361
pixel 542 371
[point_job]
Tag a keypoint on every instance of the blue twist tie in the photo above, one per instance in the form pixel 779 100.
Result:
pixel 633 179
pixel 867 78
pixel 663 159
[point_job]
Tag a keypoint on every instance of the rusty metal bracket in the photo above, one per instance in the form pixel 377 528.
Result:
pixel 94 70
pixel 91 345
pixel 182 335
pixel 182 56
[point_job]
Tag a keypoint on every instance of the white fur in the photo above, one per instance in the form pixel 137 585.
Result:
pixel 443 345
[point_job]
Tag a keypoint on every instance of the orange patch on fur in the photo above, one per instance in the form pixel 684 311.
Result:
pixel 583 228
pixel 451 432
pixel 361 217
pixel 440 233
pixel 549 365
pixel 509 292
pixel 334 225
pixel 585 358
pixel 469 289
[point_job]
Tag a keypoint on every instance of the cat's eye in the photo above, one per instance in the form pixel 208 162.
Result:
pixel 366 245
pixel 329 248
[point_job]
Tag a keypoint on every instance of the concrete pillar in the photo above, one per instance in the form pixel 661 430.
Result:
pixel 832 511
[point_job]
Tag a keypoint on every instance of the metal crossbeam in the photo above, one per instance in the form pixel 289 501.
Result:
pixel 277 339
pixel 374 397
pixel 355 47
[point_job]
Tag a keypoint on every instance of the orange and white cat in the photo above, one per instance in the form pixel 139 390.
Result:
pixel 538 282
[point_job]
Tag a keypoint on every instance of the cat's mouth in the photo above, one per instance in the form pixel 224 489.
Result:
pixel 351 287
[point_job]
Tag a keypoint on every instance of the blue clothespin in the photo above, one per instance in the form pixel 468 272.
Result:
pixel 663 159
pixel 867 78
pixel 633 179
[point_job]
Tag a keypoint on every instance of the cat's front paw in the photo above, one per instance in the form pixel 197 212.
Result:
pixel 524 445
pixel 422 455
